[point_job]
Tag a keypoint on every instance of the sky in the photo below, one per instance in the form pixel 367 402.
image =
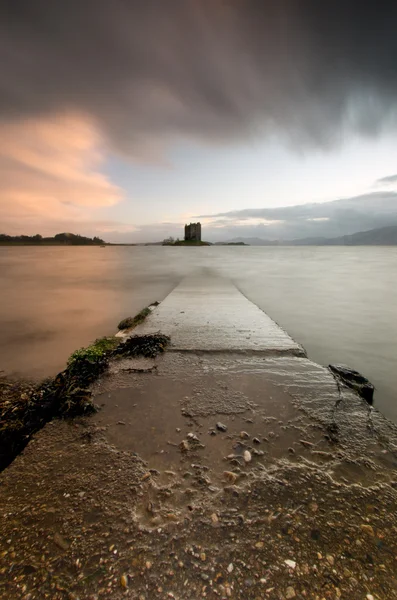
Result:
pixel 128 119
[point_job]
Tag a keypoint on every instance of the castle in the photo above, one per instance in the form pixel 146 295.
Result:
pixel 193 232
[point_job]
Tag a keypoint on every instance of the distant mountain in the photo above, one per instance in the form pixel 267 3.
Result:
pixel 383 236
pixel 336 218
pixel 251 241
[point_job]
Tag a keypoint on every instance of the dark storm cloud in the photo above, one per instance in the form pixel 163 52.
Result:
pixel 150 70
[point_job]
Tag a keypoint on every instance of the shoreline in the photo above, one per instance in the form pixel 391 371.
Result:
pixel 238 473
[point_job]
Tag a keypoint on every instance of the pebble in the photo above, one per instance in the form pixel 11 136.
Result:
pixel 247 456
pixel 230 568
pixel 244 435
pixel 256 440
pixel 221 427
pixel 330 559
pixel 368 529
pixel 290 563
pixel 123 581
pixel 214 518
pixel 290 592
pixel 259 545
pixel 230 476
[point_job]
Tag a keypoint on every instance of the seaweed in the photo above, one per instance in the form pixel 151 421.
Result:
pixel 26 407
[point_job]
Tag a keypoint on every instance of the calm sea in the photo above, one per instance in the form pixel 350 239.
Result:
pixel 339 303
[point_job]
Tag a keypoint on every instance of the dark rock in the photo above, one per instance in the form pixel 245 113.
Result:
pixel 354 380
pixel 221 427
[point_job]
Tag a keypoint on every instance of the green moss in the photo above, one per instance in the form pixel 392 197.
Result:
pixel 130 322
pixel 95 351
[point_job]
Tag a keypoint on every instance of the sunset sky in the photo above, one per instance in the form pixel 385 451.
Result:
pixel 126 119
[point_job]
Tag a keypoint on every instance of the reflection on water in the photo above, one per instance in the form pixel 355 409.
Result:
pixel 340 303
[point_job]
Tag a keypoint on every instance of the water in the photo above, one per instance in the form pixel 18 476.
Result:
pixel 339 303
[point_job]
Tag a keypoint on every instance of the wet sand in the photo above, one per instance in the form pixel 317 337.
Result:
pixel 214 475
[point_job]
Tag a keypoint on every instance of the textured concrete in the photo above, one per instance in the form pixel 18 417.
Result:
pixel 211 314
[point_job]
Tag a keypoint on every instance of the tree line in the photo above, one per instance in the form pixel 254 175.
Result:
pixel 67 239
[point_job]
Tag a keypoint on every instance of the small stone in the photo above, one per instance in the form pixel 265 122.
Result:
pixel 259 545
pixel 60 541
pixel 290 563
pixel 221 427
pixel 368 529
pixel 178 429
pixel 184 446
pixel 369 597
pixel 123 581
pixel 244 435
pixel 256 440
pixel 330 559
pixel 148 564
pixel 291 450
pixel 230 568
pixel 247 456
pixel 214 518
pixel 290 592
pixel 145 477
pixel 203 557
pixel 230 476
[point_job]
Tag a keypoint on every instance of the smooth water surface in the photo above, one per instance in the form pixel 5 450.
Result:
pixel 339 303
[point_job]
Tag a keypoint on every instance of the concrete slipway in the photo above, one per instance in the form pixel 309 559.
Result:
pixel 231 466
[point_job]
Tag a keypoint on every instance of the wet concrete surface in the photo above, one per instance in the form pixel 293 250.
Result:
pixel 205 313
pixel 206 475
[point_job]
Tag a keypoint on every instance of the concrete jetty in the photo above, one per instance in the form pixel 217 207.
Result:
pixel 231 466
pixel 210 314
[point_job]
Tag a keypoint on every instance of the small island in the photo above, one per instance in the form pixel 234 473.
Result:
pixel 192 237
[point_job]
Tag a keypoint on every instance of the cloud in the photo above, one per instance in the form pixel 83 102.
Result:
pixel 49 172
pixel 328 219
pixel 390 179
pixel 152 72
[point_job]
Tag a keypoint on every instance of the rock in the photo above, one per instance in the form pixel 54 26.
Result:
pixel 192 437
pixel 353 379
pixel 247 456
pixel 184 446
pixel 221 427
pixel 203 557
pixel 290 563
pixel 60 542
pixel 244 435
pixel 214 519
pixel 256 440
pixel 230 476
pixel 123 581
pixel 368 529
pixel 290 592
pixel 230 568
pixel 330 559
pixel 259 545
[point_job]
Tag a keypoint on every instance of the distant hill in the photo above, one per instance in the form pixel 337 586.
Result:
pixel 251 241
pixel 60 239
pixel 382 236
